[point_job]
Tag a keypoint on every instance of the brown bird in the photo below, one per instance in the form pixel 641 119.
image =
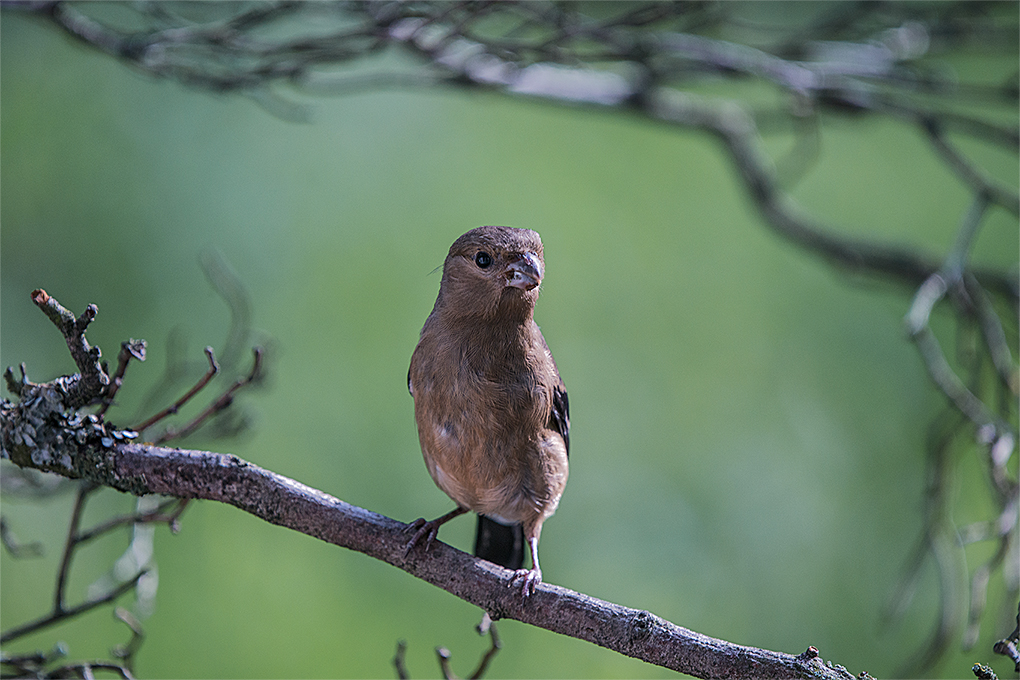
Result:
pixel 492 411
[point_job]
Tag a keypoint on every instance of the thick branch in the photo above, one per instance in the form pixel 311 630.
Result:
pixel 143 469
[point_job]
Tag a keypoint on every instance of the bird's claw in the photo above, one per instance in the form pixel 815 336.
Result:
pixel 530 577
pixel 422 529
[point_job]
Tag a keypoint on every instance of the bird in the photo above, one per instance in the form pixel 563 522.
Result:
pixel 491 410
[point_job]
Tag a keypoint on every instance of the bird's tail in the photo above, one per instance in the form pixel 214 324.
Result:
pixel 500 543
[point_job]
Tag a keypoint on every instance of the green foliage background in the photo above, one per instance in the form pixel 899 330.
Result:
pixel 748 425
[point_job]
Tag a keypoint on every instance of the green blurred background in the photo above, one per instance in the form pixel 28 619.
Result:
pixel 747 425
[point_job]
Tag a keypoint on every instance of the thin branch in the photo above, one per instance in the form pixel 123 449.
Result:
pixel 85 670
pixel 14 385
pixel 214 368
pixel 33 663
pixel 225 282
pixel 129 349
pixel 157 516
pixel 126 652
pixel 955 263
pixel 495 645
pixel 225 400
pixel 443 654
pixel 979 592
pixel 948 382
pixel 936 541
pixel 951 279
pixel 398 660
pixel 69 613
pixel 84 490
pixel 14 546
pixel 82 388
pixel 968 173
pixel 1006 137
pixel 994 335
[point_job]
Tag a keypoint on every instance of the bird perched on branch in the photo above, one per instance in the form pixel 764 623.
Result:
pixel 492 411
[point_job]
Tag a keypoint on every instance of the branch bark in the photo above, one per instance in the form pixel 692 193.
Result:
pixel 144 469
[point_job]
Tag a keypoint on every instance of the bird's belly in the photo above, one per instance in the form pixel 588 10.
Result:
pixel 487 500
pixel 481 478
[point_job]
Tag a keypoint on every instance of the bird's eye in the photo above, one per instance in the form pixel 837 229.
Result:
pixel 483 259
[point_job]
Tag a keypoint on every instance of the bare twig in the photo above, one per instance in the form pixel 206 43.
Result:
pixel 15 547
pixel 76 538
pixel 494 647
pixel 85 670
pixel 214 368
pixel 126 652
pixel 227 285
pixel 157 516
pixel 969 173
pixel 14 385
pixel 443 655
pixel 84 490
pixel 129 349
pixel 936 541
pixel 398 660
pixel 224 400
pixel 60 610
pixel 994 335
pixel 979 593
pixel 81 388
pixel 69 612
pixel 939 370
pixel 33 663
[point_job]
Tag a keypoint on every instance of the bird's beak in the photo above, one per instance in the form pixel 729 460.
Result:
pixel 525 272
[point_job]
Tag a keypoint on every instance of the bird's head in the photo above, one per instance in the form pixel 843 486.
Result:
pixel 493 271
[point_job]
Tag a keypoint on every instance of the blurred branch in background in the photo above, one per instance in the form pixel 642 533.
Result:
pixel 651 60
pixel 181 366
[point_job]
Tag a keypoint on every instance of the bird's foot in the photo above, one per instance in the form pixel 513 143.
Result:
pixel 427 530
pixel 529 580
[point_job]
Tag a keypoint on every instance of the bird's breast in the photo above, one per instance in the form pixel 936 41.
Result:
pixel 483 433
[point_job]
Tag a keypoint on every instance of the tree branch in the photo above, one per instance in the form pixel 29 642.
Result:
pixel 143 469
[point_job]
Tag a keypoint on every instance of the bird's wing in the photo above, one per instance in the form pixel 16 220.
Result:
pixel 559 418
